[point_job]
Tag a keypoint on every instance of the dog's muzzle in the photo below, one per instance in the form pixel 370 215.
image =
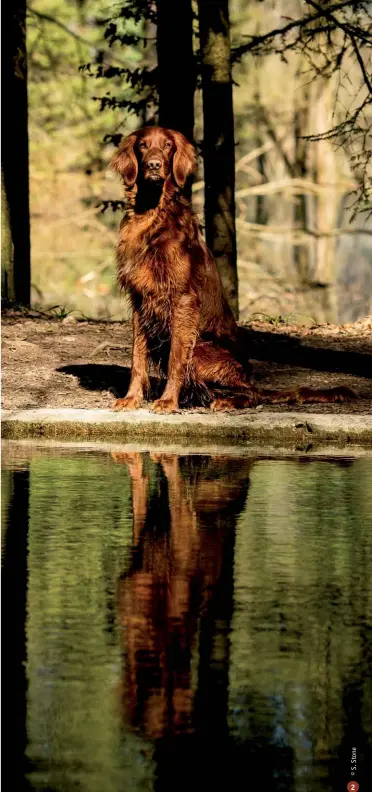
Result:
pixel 153 168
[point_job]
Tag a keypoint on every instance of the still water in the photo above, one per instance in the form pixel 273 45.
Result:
pixel 185 622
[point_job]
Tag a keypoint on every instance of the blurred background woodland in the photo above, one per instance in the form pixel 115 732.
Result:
pixel 298 73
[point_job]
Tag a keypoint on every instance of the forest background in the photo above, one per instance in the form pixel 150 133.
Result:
pixel 301 137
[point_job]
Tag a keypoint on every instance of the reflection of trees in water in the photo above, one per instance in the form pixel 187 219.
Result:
pixel 14 593
pixel 302 561
pixel 180 613
pixel 356 681
pixel 247 652
pixel 79 531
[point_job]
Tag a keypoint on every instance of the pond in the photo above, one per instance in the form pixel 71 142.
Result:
pixel 185 621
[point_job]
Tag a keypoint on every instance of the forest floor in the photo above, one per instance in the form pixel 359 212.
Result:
pixel 50 362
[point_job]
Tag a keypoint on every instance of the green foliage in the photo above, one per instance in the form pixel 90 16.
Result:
pixel 60 39
pixel 135 86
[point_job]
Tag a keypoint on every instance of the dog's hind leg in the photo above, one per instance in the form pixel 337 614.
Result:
pixel 217 367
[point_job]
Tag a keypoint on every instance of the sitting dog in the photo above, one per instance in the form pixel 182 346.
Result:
pixel 181 319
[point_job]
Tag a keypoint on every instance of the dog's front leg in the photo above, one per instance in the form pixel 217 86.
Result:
pixel 139 380
pixel 184 331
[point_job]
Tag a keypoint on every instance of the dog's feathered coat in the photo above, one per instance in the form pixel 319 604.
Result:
pixel 181 319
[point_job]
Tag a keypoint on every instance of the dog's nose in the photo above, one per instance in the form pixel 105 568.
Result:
pixel 154 164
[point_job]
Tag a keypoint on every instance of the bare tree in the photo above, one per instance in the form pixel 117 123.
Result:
pixel 333 37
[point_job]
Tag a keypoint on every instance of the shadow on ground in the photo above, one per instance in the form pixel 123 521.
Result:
pixel 100 377
pixel 281 348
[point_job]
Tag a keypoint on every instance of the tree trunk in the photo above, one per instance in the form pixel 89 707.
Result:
pixel 14 589
pixel 302 210
pixel 322 276
pixel 176 66
pixel 7 248
pixel 15 189
pixel 218 145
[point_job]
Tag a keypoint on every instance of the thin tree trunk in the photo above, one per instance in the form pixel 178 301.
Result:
pixel 7 248
pixel 176 66
pixel 303 254
pixel 218 146
pixel 15 149
pixel 327 206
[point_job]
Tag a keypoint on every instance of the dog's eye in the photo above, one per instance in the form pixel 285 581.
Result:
pixel 168 144
pixel 142 145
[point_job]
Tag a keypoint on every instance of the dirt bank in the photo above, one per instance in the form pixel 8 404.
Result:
pixel 54 363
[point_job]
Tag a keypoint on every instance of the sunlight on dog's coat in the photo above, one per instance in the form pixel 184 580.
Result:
pixel 181 319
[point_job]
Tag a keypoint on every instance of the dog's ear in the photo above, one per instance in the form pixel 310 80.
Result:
pixel 184 159
pixel 125 161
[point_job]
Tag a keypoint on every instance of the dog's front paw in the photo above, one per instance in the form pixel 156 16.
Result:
pixel 165 406
pixel 129 403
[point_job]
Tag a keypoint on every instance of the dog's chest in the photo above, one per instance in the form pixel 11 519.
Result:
pixel 152 265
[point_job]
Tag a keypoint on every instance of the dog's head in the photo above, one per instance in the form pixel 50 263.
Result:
pixel 153 154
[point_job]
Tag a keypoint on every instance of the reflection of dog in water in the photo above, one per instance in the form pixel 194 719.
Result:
pixel 179 581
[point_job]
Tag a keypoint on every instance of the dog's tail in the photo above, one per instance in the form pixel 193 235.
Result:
pixel 307 396
pixel 252 397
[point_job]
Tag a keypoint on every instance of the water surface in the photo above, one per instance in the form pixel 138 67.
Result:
pixel 186 622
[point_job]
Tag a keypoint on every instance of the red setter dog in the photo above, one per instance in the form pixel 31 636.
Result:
pixel 181 320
